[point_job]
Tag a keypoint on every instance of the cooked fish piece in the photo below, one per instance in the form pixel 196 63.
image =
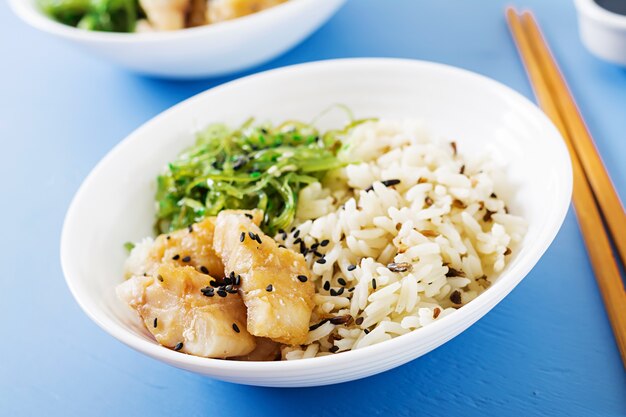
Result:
pixel 186 247
pixel 265 350
pixel 279 303
pixel 197 13
pixel 166 14
pixel 180 316
pixel 220 10
pixel 192 246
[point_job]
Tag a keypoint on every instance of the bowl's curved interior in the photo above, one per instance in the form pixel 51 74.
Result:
pixel 115 203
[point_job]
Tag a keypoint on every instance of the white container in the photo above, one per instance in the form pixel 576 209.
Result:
pixel 602 31
pixel 211 50
pixel 115 203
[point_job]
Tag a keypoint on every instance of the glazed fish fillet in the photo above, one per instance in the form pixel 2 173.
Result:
pixel 183 317
pixel 166 14
pixel 275 283
pixel 186 247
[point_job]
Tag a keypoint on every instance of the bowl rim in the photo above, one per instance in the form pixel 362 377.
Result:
pixel 505 283
pixel 592 10
pixel 28 11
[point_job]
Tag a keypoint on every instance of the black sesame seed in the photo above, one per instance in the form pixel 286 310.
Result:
pixel 237 280
pixel 314 246
pixel 359 321
pixel 340 319
pixel 178 347
pixel 333 349
pixel 325 242
pixel 221 293
pixel 269 288
pixel 214 283
pixel 302 247
pixel 341 281
pixel 239 163
pixel 232 275
pixel 389 183
pixel 340 291
pixel 236 328
pixel 454 273
pixel 258 239
pixel 242 237
pixel 281 231
pixel 190 228
pixel 455 297
pixel 317 325
pixel 204 270
pixel 176 257
pixel 296 234
pixel 298 240
pixel 327 285
pixel 292 230
pixel 252 235
pixel 228 288
pixel 186 259
pixel 366 331
pixel 168 237
pixel 374 283
pixel 316 253
pixel 321 261
pixel 284 236
pixel 351 267
pixel 227 280
pixel 160 278
pixel 248 215
pixel 208 291
pixel 351 289
pixel 302 278
pixel 282 246
pixel 233 291
pixel 333 292
pixel 156 322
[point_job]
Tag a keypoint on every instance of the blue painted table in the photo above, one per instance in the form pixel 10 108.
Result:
pixel 547 349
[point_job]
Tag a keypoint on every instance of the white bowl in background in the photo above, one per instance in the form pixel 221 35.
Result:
pixel 211 50
pixel 602 31
pixel 115 203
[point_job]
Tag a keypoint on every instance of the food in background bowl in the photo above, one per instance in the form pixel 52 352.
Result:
pixel 286 242
pixel 149 15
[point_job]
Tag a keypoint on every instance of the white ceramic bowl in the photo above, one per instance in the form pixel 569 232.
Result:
pixel 115 203
pixel 211 50
pixel 602 32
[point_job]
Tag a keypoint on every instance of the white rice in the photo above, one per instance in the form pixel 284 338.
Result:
pixel 434 222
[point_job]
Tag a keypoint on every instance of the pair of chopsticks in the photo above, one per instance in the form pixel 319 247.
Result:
pixel 595 200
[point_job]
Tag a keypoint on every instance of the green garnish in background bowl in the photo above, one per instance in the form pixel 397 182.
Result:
pixel 100 15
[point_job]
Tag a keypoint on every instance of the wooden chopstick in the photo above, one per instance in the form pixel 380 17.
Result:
pixel 596 240
pixel 601 184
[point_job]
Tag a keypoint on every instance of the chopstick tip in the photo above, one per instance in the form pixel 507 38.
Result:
pixel 511 13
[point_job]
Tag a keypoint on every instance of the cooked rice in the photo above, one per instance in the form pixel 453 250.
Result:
pixel 442 223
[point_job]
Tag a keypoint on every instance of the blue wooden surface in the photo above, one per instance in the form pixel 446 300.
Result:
pixel 547 349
